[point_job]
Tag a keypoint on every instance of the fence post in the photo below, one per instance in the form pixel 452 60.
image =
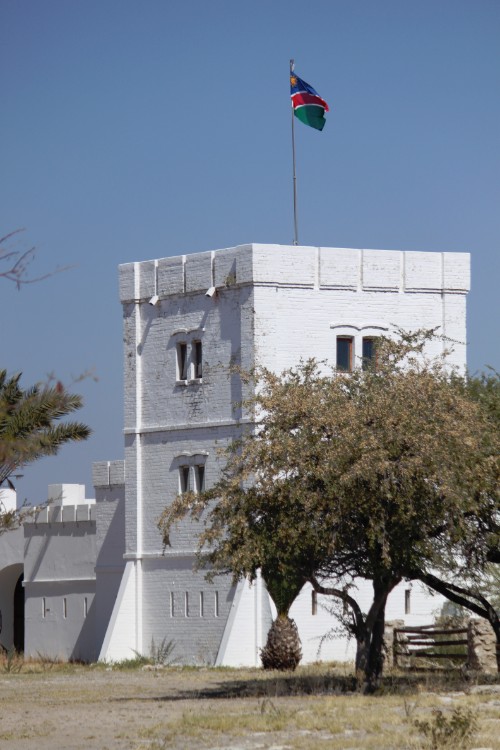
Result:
pixel 391 643
pixel 482 646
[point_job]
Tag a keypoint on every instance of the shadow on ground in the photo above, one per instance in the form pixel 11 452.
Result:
pixel 289 685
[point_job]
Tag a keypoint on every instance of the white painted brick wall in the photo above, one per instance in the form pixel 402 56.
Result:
pixel 423 271
pixel 381 269
pixel 198 272
pixel 196 637
pixel 126 282
pixel 233 266
pixel 341 269
pixel 274 305
pixel 55 635
pixel 170 276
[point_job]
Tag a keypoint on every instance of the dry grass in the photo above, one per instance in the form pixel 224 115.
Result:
pixel 337 723
pixel 107 708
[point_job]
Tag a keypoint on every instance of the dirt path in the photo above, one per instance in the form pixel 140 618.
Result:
pixel 109 710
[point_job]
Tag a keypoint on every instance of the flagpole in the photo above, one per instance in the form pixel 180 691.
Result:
pixel 296 233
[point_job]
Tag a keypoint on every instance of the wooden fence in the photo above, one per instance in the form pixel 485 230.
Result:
pixel 426 646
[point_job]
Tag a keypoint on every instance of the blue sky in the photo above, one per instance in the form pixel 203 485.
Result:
pixel 135 130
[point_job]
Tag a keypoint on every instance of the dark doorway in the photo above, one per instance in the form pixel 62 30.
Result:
pixel 19 615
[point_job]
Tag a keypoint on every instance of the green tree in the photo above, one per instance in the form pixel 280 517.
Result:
pixel 478 589
pixel 379 474
pixel 30 428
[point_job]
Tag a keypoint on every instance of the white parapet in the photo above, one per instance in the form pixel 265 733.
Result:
pixel 67 494
pixel 8 499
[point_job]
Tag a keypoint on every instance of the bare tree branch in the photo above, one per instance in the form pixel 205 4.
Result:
pixel 14 264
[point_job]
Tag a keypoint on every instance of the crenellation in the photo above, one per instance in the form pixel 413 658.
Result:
pixel 116 473
pixel 381 270
pixel 456 272
pixel 339 268
pixel 126 273
pixel 55 513
pixel 100 474
pixel 284 265
pixel 198 272
pixel 147 279
pixel 170 276
pixel 233 266
pixel 423 271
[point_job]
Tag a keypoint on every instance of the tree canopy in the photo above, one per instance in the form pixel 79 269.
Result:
pixel 30 427
pixel 385 473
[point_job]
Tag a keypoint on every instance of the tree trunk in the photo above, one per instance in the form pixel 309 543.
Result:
pixel 370 639
pixel 375 665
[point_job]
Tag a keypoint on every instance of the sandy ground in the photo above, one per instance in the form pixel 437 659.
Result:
pixel 104 709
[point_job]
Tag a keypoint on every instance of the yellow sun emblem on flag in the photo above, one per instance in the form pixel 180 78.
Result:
pixel 293 80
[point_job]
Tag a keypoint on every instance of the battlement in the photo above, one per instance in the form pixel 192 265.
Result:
pixel 296 266
pixel 64 513
pixel 108 473
pixel 65 503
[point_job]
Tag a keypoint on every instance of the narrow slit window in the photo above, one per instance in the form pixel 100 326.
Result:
pixel 172 604
pixel 408 601
pixel 85 606
pixel 197 359
pixel 201 604
pixel 44 607
pixel 314 603
pixel 183 479
pixel 182 362
pixel 369 360
pixel 199 471
pixel 65 607
pixel 186 604
pixel 216 604
pixel 344 353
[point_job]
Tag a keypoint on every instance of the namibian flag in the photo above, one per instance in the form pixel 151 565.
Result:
pixel 307 105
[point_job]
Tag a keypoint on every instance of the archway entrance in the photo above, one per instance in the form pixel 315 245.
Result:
pixel 19 614
pixel 12 607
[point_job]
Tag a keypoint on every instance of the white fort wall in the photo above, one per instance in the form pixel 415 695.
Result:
pixel 321 293
pixel 97 581
pixel 169 423
pixel 59 577
pixel 273 305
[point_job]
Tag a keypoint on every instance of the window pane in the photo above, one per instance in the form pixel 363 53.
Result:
pixel 407 602
pixel 183 479
pixel 369 357
pixel 197 357
pixel 182 361
pixel 200 477
pixel 344 354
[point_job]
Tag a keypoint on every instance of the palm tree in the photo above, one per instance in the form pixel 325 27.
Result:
pixel 283 649
pixel 28 426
